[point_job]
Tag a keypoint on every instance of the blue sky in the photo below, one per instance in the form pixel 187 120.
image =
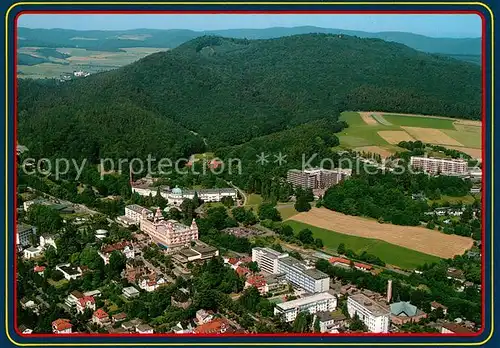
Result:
pixel 435 25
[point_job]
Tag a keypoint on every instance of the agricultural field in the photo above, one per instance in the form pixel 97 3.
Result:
pixel 389 253
pixel 379 132
pixel 63 61
pixel 418 239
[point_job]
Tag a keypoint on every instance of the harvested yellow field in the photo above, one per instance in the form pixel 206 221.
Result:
pixel 474 153
pixel 394 137
pixel 415 238
pixel 469 123
pixel 375 149
pixel 467 128
pixel 431 136
pixel 367 117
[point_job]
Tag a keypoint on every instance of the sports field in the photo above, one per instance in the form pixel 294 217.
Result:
pixel 389 253
pixel 383 131
pixel 415 238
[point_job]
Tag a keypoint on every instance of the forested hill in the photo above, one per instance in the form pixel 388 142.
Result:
pixel 233 90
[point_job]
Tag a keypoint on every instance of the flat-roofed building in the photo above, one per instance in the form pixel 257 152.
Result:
pixel 433 165
pixel 267 259
pixel 177 195
pixel 317 178
pixel 303 276
pixel 374 315
pixel 136 212
pixel 322 302
pixel 24 234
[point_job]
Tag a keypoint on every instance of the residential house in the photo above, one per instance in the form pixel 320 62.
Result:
pixel 39 270
pixel 130 292
pixel 62 326
pixel 329 321
pixel 452 328
pixel 131 325
pixel 125 247
pixel 69 272
pixel 73 298
pixel 258 282
pixel 144 329
pixel 24 330
pixel 119 317
pixel 435 305
pixel 100 317
pixel 179 329
pixel 216 326
pixel 342 262
pixel 203 317
pixel 84 303
pixel 150 284
pixel 181 298
pixel 47 240
pixel 32 252
pixel 455 274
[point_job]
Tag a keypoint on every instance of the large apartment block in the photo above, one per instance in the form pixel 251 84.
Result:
pixel 267 259
pixel 323 302
pixel 317 178
pixel 374 315
pixel 302 276
pixel 135 212
pixel 439 165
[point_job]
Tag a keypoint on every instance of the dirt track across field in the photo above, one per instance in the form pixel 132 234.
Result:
pixel 459 121
pixel 415 238
pixel 367 117
pixel 431 136
pixel 394 137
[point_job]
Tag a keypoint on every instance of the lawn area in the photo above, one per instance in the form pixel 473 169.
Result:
pixel 415 121
pixel 57 284
pixel 389 253
pixel 286 211
pixel 468 139
pixel 469 199
pixel 254 199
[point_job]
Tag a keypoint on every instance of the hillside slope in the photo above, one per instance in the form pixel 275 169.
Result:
pixel 114 40
pixel 231 91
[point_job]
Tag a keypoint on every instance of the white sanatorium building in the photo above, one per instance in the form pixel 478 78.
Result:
pixel 297 273
pixel 305 277
pixel 375 316
pixel 323 302
pixel 440 165
pixel 135 212
pixel 267 259
pixel 177 196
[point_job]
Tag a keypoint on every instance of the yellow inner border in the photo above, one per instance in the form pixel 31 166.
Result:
pixel 236 3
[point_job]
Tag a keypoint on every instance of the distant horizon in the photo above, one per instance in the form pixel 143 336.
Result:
pixel 433 25
pixel 264 28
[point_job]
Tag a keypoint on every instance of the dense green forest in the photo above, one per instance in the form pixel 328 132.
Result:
pixel 387 196
pixel 230 91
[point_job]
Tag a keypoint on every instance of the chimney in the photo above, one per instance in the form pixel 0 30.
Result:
pixel 389 291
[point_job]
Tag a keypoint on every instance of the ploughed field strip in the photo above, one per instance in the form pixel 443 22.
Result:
pixel 367 118
pixel 380 119
pixel 395 137
pixel 415 238
pixel 431 136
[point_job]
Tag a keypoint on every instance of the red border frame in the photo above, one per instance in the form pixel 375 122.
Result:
pixel 270 12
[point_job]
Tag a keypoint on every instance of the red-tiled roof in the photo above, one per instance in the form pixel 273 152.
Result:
pixel 214 327
pixel 117 246
pixel 242 271
pixel 83 301
pixel 456 328
pixel 246 259
pixel 348 262
pixel 61 324
pixel 39 269
pixel 256 280
pixel 233 260
pixel 438 305
pixel 101 314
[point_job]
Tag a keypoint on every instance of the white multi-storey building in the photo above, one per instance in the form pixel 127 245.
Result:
pixel 375 316
pixel 177 196
pixel 135 212
pixel 440 165
pixel 303 276
pixel 323 302
pixel 267 259
pixel 169 233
